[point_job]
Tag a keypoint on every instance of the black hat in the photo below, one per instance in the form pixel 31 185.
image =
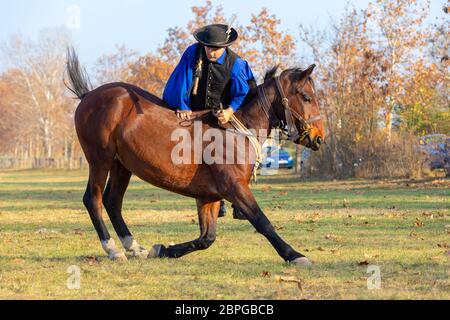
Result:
pixel 216 35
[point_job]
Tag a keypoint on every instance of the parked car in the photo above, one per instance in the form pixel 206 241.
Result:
pixel 276 158
pixel 436 150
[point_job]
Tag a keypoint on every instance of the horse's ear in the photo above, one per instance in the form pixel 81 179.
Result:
pixel 304 74
pixel 302 77
pixel 310 70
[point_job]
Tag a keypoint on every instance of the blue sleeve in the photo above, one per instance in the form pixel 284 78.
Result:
pixel 241 74
pixel 176 91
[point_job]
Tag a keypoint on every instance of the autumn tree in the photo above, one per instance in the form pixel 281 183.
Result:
pixel 261 42
pixel 265 45
pixel 401 36
pixel 38 69
pixel 16 123
pixel 150 72
pixel 179 38
pixel 114 67
pixel 372 65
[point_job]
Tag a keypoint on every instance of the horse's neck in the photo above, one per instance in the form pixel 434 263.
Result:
pixel 253 116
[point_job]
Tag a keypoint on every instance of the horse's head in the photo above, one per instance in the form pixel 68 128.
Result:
pixel 298 107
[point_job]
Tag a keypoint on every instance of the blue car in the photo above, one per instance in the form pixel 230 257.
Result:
pixel 435 148
pixel 274 158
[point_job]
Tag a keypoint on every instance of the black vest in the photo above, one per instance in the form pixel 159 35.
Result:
pixel 214 83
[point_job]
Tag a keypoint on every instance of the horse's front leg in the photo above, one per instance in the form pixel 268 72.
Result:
pixel 207 215
pixel 243 198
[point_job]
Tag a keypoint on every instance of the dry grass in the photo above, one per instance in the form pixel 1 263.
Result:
pixel 343 226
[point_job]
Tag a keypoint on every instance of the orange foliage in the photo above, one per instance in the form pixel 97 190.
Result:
pixel 150 72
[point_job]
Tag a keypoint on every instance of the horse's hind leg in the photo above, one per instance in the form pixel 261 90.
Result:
pixel 208 213
pixel 119 178
pixel 243 198
pixel 93 201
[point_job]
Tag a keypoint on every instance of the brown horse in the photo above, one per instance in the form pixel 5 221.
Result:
pixel 124 130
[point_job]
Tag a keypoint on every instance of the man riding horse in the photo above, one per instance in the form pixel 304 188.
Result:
pixel 117 123
pixel 209 76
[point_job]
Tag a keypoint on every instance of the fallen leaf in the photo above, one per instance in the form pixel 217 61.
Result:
pixel 45 231
pixel 92 260
pixel 418 223
pixel 18 261
pixel 332 237
pixel 265 274
pixel 427 214
pixel 369 256
pixel 345 203
pixel 290 279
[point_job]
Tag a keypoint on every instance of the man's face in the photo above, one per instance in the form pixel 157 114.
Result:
pixel 214 53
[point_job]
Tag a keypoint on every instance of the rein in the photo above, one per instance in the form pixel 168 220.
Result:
pixel 291 115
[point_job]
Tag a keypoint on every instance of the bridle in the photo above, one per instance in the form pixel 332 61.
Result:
pixel 289 128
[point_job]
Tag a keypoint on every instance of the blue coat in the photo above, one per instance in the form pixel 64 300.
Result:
pixel 176 91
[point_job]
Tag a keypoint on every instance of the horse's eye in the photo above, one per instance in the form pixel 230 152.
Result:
pixel 306 97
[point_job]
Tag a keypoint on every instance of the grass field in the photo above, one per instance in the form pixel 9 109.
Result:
pixel 402 227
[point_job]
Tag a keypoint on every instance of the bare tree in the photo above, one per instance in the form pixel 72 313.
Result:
pixel 39 69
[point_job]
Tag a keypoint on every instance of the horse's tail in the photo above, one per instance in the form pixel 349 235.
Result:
pixel 80 84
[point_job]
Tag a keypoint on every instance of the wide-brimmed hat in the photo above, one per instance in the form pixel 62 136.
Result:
pixel 216 35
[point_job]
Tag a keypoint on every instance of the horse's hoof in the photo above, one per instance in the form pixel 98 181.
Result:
pixel 302 262
pixel 154 252
pixel 117 256
pixel 140 253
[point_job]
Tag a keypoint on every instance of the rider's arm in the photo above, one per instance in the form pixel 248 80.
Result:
pixel 241 74
pixel 176 91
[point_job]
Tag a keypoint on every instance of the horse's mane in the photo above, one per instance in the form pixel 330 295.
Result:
pixel 270 74
pixel 253 89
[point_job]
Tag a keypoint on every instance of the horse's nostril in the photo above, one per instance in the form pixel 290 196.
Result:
pixel 319 141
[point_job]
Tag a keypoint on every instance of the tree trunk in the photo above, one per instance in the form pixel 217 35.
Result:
pixel 298 159
pixel 47 138
pixel 388 123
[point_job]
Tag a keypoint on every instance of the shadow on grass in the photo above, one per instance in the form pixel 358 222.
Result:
pixel 290 200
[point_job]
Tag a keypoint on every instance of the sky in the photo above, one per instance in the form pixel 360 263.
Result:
pixel 97 26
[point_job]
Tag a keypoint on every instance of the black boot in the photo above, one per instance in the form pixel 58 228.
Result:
pixel 237 214
pixel 223 209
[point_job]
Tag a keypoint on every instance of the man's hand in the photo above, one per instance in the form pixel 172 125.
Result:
pixel 225 115
pixel 184 114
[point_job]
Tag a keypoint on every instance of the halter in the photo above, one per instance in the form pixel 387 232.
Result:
pixel 291 129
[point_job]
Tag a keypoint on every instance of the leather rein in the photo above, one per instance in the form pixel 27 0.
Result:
pixel 290 127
